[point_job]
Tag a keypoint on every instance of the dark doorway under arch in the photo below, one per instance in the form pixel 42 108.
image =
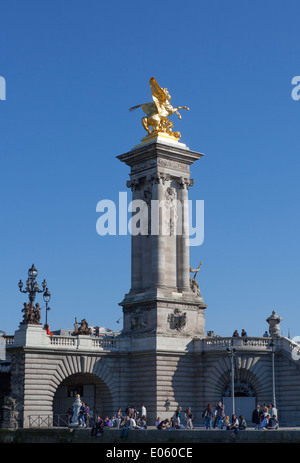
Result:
pixel 245 399
pixel 92 390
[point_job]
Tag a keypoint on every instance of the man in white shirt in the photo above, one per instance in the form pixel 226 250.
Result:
pixel 143 410
pixel 274 411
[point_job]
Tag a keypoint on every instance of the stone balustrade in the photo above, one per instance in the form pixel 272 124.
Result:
pixel 40 338
pixel 241 343
pixel 200 344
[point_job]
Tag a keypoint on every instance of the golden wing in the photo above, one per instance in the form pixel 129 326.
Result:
pixel 157 92
pixel 148 108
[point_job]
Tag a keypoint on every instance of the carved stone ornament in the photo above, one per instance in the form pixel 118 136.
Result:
pixel 138 319
pixel 177 319
pixel 171 211
pixel 194 285
pixel 10 413
pixel 133 184
pixel 274 323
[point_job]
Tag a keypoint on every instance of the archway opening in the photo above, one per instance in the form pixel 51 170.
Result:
pixel 92 390
pixel 244 399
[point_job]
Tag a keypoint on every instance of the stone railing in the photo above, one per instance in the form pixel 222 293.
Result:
pixel 219 343
pixel 65 342
pixel 289 346
pixel 79 342
pixel 9 340
pixel 105 343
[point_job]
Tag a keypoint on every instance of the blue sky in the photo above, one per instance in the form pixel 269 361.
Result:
pixel 72 71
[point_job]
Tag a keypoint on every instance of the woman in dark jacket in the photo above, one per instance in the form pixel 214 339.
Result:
pixel 208 415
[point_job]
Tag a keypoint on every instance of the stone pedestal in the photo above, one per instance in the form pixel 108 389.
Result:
pixel 31 335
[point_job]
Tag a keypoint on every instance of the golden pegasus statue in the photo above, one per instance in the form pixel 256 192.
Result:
pixel 157 113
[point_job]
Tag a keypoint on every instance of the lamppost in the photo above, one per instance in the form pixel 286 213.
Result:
pixel 231 351
pixel 31 312
pixel 272 348
pixel 274 327
pixel 47 297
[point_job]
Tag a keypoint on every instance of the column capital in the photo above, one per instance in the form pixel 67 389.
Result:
pixel 184 182
pixel 133 184
pixel 159 178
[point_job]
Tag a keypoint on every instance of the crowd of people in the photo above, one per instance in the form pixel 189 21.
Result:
pixel 90 418
pixel 214 417
pixel 180 420
pixel 265 418
pixel 262 419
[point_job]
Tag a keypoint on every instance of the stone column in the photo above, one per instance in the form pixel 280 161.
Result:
pixel 136 245
pixel 183 256
pixel 157 238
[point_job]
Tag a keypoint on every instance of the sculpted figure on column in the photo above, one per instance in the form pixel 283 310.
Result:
pixel 157 113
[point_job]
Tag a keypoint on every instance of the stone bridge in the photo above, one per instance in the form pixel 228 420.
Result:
pixel 111 372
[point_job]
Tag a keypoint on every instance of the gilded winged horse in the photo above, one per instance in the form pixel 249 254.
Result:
pixel 157 113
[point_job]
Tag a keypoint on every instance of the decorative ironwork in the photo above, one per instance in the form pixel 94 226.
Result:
pixel 32 313
pixel 241 389
pixel 51 421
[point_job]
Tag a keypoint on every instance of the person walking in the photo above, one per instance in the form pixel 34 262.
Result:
pixel 220 414
pixel 256 414
pixel 119 417
pixel 189 418
pixel 208 416
pixel 177 417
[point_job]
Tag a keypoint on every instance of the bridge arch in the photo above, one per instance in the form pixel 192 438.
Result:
pixel 89 376
pixel 93 391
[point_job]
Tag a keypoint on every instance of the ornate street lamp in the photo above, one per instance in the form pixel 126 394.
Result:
pixel 47 297
pixel 32 313
pixel 31 285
